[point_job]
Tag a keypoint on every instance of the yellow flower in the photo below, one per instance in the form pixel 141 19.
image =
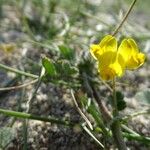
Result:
pixel 112 61
pixel 131 56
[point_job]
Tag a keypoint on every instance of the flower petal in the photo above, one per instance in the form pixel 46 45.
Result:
pixel 135 61
pixel 125 50
pixel 104 40
pixel 107 44
pixel 94 49
pixel 111 71
pixel 107 58
pixel 131 57
pixel 119 71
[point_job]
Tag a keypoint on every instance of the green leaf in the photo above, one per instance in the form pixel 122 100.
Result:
pixel 66 52
pixel 121 104
pixel 143 96
pixel 6 136
pixel 86 65
pixel 65 69
pixel 49 66
pixel 119 96
pixel 68 68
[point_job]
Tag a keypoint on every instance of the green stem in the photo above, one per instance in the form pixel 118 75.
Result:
pixel 34 117
pixel 124 19
pixel 126 118
pixel 143 139
pixel 30 101
pixel 18 71
pixel 130 136
pixel 65 123
pixel 116 126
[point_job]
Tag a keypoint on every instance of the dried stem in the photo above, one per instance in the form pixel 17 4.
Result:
pixel 19 86
pixel 124 19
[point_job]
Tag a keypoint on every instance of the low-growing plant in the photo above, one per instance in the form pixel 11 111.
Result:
pixel 79 74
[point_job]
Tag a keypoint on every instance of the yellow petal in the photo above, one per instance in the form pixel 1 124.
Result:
pixel 94 49
pixel 104 40
pixel 119 71
pixel 125 50
pixel 141 58
pixel 111 71
pixel 108 43
pixel 106 73
pixel 133 44
pixel 107 58
pixel 109 66
pixel 130 55
pixel 136 61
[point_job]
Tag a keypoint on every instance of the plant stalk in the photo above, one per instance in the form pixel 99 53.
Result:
pixel 116 126
pixel 2 66
pixel 35 117
pixel 124 18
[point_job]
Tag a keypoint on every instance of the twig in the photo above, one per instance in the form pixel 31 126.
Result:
pixel 80 111
pixel 10 82
pixel 124 19
pixel 19 86
pixel 90 133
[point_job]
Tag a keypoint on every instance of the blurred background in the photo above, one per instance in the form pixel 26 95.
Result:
pixel 63 30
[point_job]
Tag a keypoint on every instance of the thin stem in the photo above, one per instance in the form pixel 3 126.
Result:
pixel 116 126
pixel 126 118
pixel 18 71
pixel 63 122
pixel 30 101
pixel 130 136
pixel 80 111
pixel 139 138
pixel 107 117
pixel 34 117
pixel 19 86
pixel 29 106
pixel 124 19
pixel 94 17
pixel 93 136
pixel 115 110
